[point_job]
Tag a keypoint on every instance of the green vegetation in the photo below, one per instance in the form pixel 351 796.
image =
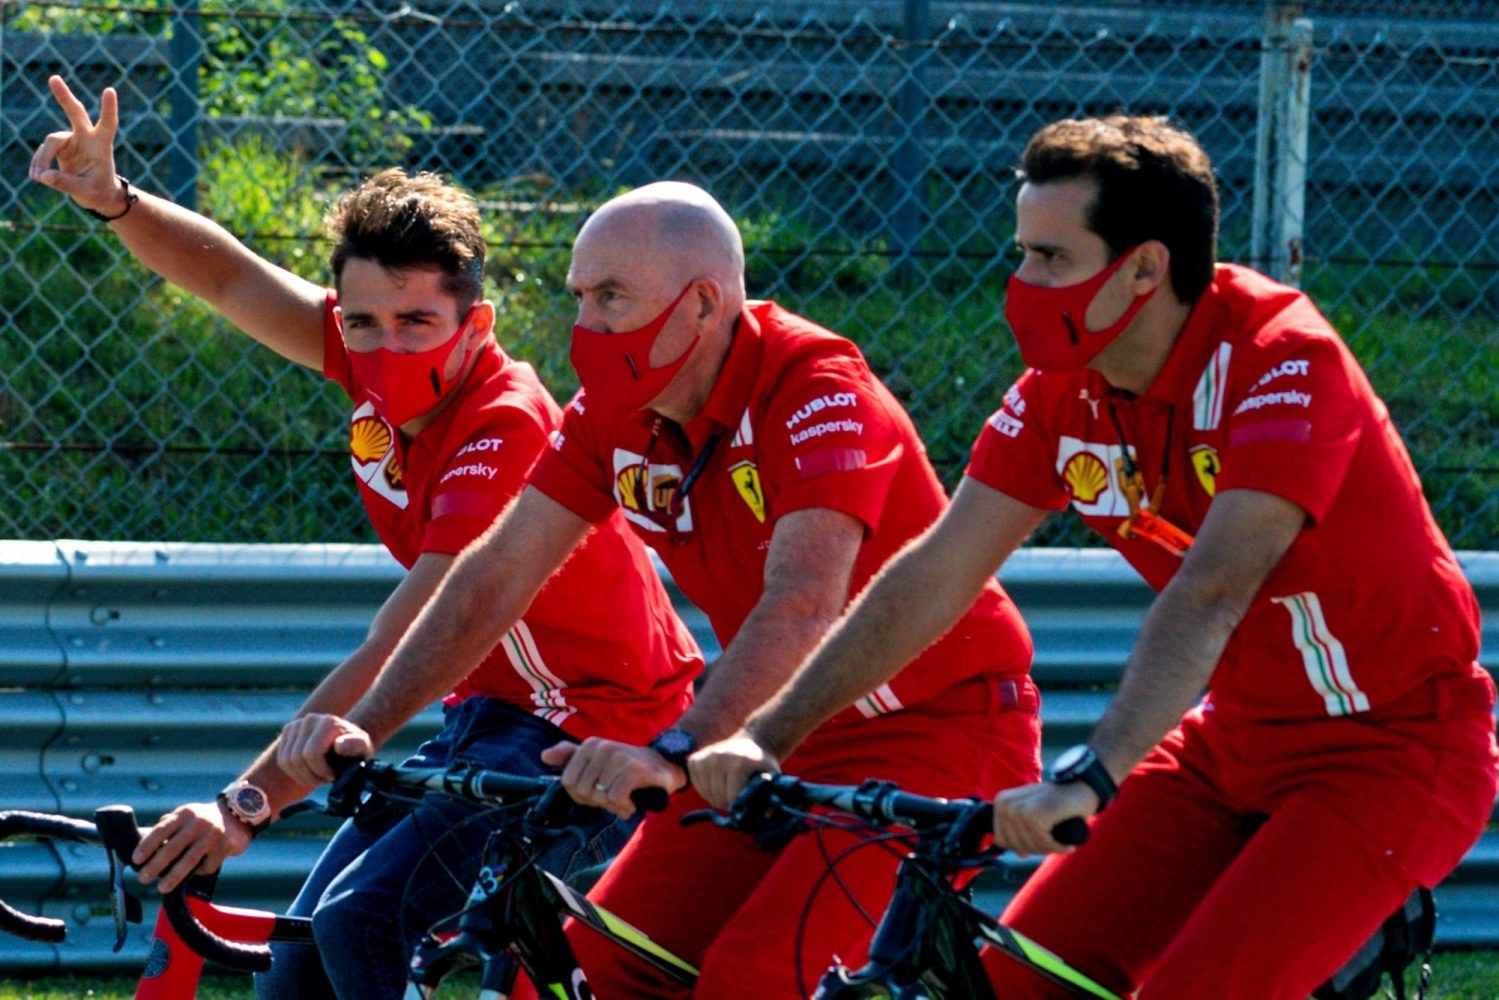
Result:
pixel 131 411
pixel 1457 975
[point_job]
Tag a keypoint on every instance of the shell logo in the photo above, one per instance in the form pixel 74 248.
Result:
pixel 1085 476
pixel 369 439
pixel 625 487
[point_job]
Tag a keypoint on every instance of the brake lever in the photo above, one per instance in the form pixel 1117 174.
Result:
pixel 706 816
pixel 124 909
pixel 119 834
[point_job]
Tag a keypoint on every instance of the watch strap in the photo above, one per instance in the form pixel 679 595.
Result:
pixel 1091 772
pixel 675 745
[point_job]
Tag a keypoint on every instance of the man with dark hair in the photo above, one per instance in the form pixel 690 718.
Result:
pixel 1221 436
pixel 444 431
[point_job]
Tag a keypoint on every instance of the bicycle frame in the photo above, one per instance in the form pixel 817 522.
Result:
pixel 515 914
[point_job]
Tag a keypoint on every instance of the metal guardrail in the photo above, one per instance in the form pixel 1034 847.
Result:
pixel 150 674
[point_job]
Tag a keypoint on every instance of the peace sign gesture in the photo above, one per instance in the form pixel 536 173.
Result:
pixel 84 156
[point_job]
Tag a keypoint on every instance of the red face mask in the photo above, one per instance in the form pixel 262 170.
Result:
pixel 615 368
pixel 402 387
pixel 1049 323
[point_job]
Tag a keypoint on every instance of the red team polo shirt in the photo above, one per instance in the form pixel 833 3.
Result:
pixel 619 667
pixel 796 420
pixel 1260 393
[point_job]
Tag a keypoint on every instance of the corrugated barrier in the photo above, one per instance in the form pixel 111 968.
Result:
pixel 150 674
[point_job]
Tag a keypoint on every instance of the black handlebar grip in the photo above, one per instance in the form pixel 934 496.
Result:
pixel 240 957
pixel 1072 831
pixel 24 925
pixel 339 763
pixel 651 799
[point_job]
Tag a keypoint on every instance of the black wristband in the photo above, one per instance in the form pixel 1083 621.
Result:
pixel 130 199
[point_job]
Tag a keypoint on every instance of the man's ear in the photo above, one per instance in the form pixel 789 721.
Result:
pixel 1152 267
pixel 481 327
pixel 707 296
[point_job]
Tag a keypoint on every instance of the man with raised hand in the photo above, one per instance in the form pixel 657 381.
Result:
pixel 1211 425
pixel 444 431
pixel 773 474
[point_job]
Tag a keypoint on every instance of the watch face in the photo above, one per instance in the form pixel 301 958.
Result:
pixel 1070 758
pixel 675 742
pixel 249 799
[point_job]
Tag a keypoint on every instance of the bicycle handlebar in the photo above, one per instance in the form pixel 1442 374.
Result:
pixel 461 780
pixel 115 828
pixel 880 802
pixel 29 824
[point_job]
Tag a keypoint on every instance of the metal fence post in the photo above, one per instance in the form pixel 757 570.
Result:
pixel 187 58
pixel 911 106
pixel 1281 142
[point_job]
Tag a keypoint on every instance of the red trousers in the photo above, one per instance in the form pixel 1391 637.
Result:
pixel 767 925
pixel 1250 859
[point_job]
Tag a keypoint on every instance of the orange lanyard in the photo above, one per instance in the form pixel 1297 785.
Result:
pixel 1142 521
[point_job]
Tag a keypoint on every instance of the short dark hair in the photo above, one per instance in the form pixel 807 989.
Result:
pixel 417 221
pixel 1154 183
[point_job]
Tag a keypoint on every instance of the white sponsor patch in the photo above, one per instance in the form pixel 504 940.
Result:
pixel 825 402
pixel 1007 425
pixel 472 469
pixel 830 427
pixel 1284 368
pixel 381 473
pixel 1087 468
pixel 654 484
pixel 1015 401
pixel 1292 398
pixel 479 446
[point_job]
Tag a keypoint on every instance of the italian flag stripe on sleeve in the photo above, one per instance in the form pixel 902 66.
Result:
pixel 1323 655
pixel 1207 398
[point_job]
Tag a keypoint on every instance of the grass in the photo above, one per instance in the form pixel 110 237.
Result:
pixel 1456 975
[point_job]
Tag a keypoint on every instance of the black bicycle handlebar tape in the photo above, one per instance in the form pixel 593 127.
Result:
pixel 233 955
pixel 1072 831
pixel 651 799
pixel 339 763
pixel 17 823
pixel 24 925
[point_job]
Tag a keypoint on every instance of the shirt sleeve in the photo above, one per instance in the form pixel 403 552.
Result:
pixel 572 471
pixel 1014 454
pixel 336 366
pixel 485 472
pixel 831 441
pixel 1294 426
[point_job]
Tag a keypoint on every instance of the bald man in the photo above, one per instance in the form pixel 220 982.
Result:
pixel 773 474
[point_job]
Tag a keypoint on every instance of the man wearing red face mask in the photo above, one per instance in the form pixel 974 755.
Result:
pixel 773 474
pixel 444 431
pixel 1210 424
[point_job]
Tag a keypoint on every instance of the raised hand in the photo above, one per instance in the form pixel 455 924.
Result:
pixel 81 162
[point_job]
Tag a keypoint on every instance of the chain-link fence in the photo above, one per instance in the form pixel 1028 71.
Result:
pixel 864 148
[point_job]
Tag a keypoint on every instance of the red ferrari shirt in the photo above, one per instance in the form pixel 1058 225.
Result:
pixel 1260 393
pixel 593 654
pixel 795 421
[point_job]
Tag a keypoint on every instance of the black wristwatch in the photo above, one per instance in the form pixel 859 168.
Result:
pixel 1081 763
pixel 676 745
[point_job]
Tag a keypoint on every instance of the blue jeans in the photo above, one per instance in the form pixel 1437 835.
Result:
pixel 378 886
